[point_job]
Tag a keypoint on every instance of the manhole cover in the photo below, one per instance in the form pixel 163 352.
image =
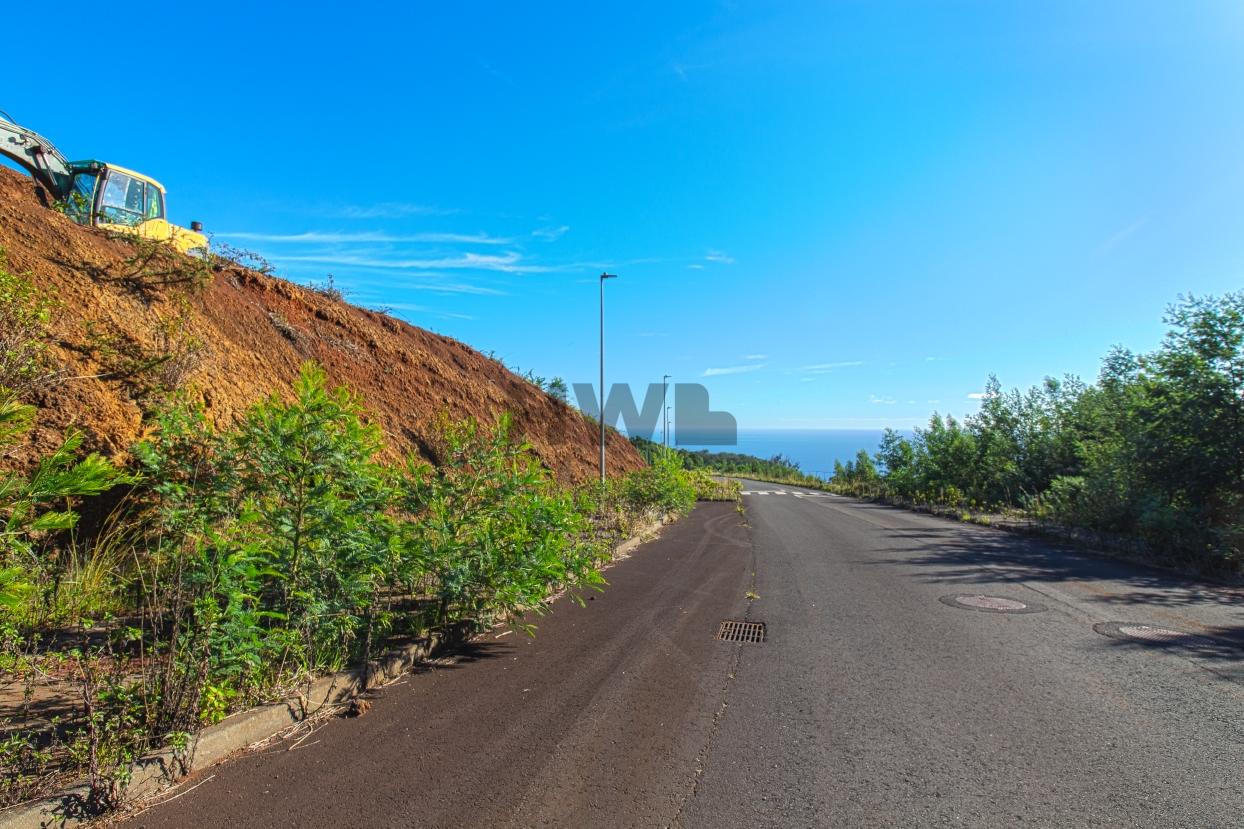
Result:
pixel 733 631
pixel 1150 633
pixel 991 604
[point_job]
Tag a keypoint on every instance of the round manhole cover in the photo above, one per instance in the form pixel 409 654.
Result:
pixel 1136 631
pixel 991 604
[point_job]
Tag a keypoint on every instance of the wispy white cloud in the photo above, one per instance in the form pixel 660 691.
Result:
pixel 385 281
pixel 376 237
pixel 1121 236
pixel 452 288
pixel 755 356
pixel 821 368
pixel 389 210
pixel 979 395
pixel 885 401
pixel 720 257
pixel 509 262
pixel 551 234
pixel 696 266
pixel 461 288
pixel 715 372
pixel 411 308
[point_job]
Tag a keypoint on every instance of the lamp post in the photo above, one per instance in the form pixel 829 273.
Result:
pixel 603 277
pixel 665 419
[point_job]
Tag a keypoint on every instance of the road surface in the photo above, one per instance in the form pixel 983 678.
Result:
pixel 872 702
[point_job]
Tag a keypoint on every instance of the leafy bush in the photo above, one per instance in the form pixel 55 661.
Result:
pixel 491 531
pixel 328 289
pixel 153 267
pixel 558 390
pixel 24 314
pixel 37 505
pixel 278 531
pixel 317 501
pixel 662 487
pixel 711 488
pixel 226 254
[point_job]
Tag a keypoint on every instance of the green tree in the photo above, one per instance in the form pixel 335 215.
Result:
pixel 558 390
pixel 318 500
pixel 897 457
pixel 490 529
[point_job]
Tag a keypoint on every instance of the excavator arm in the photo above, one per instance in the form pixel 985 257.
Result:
pixel 37 156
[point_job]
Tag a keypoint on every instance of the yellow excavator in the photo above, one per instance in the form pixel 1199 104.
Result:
pixel 98 194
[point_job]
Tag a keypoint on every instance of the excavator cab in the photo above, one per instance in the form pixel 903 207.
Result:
pixel 124 201
pixel 99 194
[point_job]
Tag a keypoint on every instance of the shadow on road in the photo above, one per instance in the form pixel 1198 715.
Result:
pixel 973 556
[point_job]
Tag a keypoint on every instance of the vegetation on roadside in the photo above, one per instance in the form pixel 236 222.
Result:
pixel 710 487
pixel 1151 453
pixel 233 564
pixel 777 469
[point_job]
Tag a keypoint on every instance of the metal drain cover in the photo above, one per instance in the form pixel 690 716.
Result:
pixel 991 604
pixel 1149 633
pixel 735 631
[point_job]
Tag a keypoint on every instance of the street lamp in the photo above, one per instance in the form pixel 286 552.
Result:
pixel 603 277
pixel 665 419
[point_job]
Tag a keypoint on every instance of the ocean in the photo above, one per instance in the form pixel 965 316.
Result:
pixel 815 450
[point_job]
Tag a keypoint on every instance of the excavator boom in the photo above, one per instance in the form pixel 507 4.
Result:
pixel 37 156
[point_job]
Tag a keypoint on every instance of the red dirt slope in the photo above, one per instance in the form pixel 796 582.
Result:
pixel 244 335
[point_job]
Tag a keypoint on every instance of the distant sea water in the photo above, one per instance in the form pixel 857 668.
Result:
pixel 815 450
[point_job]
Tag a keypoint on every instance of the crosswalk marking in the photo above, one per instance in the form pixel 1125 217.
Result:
pixel 784 492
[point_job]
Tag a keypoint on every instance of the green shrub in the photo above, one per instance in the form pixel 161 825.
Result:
pixel 33 507
pixel 663 487
pixel 714 488
pixel 491 530
pixel 24 315
pixel 317 500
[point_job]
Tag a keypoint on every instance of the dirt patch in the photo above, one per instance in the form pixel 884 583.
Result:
pixel 248 334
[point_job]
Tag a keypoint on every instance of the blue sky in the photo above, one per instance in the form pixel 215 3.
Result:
pixel 832 214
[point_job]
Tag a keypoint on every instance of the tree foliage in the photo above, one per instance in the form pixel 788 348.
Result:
pixel 1154 449
pixel 777 468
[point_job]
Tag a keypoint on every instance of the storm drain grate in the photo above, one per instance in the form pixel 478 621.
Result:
pixel 734 631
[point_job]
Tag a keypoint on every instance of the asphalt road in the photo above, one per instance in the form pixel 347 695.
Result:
pixel 872 702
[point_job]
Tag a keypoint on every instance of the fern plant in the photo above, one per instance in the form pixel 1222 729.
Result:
pixel 34 505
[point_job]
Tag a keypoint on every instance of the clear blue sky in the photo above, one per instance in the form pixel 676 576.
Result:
pixel 833 214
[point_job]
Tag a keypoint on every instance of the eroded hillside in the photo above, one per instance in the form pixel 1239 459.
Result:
pixel 240 336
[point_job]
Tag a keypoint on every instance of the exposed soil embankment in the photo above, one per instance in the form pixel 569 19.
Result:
pixel 243 336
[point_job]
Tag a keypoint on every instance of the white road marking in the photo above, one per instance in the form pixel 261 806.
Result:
pixel 784 492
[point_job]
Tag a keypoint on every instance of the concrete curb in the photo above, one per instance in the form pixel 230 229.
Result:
pixel 160 769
